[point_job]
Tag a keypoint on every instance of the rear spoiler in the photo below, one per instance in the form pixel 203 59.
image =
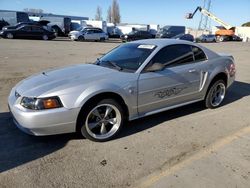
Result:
pixel 226 55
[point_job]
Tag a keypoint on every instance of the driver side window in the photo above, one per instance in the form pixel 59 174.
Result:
pixel 174 55
pixel 26 28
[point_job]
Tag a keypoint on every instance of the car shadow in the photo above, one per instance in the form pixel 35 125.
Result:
pixel 237 91
pixel 17 148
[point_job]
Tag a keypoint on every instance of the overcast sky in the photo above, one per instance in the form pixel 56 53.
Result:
pixel 163 12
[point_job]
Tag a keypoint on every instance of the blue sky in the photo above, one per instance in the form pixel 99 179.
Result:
pixel 163 12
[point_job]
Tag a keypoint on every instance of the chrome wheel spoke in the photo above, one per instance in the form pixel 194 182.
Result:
pixel 112 121
pixel 103 129
pixel 97 113
pixel 103 121
pixel 108 111
pixel 93 125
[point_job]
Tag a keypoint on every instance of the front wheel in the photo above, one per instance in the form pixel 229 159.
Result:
pixel 216 94
pixel 102 39
pixel 9 36
pixel 81 38
pixel 102 121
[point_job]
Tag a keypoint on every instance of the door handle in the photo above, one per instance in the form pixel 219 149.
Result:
pixel 192 70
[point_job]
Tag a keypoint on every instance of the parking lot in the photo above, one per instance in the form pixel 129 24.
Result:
pixel 186 147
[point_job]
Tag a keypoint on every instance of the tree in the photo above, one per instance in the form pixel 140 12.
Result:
pixel 115 10
pixel 246 24
pixel 109 15
pixel 98 15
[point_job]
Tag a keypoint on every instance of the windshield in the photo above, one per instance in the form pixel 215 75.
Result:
pixel 79 28
pixel 127 57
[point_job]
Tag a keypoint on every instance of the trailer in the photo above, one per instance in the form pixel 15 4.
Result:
pixel 13 17
pixel 61 24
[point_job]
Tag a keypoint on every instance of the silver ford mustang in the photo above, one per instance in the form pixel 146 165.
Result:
pixel 133 80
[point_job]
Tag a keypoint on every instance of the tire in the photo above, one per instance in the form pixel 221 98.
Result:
pixel 215 94
pixel 221 39
pixel 45 37
pixel 101 121
pixel 102 39
pixel 9 36
pixel 81 38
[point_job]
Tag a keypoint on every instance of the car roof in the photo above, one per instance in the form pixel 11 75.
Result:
pixel 163 42
pixel 160 43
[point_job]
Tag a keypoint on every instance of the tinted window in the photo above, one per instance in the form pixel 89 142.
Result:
pixel 90 31
pixel 199 55
pixel 97 31
pixel 37 29
pixel 26 28
pixel 174 55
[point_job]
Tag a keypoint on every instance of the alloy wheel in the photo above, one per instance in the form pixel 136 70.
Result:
pixel 218 94
pixel 103 121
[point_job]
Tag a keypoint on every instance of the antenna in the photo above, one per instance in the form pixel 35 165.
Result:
pixel 205 22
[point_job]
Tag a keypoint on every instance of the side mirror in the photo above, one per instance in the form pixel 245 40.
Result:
pixel 155 67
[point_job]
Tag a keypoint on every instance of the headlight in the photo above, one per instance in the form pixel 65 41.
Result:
pixel 126 36
pixel 41 103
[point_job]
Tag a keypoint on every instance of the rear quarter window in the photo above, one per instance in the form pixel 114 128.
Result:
pixel 199 55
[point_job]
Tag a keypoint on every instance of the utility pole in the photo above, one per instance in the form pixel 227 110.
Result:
pixel 205 22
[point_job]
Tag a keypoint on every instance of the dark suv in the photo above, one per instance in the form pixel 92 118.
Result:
pixel 136 35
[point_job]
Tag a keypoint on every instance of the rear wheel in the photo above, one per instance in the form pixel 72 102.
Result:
pixel 102 121
pixel 221 38
pixel 216 94
pixel 9 36
pixel 81 38
pixel 45 37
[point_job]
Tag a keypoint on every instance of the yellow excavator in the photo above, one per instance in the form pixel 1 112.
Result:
pixel 225 34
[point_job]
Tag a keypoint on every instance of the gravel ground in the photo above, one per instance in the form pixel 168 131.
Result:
pixel 186 147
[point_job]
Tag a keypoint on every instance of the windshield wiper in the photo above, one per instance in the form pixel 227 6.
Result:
pixel 113 64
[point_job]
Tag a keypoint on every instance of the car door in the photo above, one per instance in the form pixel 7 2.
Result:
pixel 37 32
pixel 178 83
pixel 23 32
pixel 89 35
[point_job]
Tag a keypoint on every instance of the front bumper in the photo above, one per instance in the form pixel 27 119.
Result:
pixel 43 122
pixel 72 37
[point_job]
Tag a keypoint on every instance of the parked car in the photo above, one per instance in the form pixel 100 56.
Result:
pixel 170 31
pixel 236 38
pixel 136 35
pixel 134 80
pixel 114 32
pixel 206 38
pixel 184 36
pixel 95 34
pixel 28 32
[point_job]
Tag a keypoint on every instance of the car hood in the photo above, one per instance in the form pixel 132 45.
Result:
pixel 74 32
pixel 63 81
